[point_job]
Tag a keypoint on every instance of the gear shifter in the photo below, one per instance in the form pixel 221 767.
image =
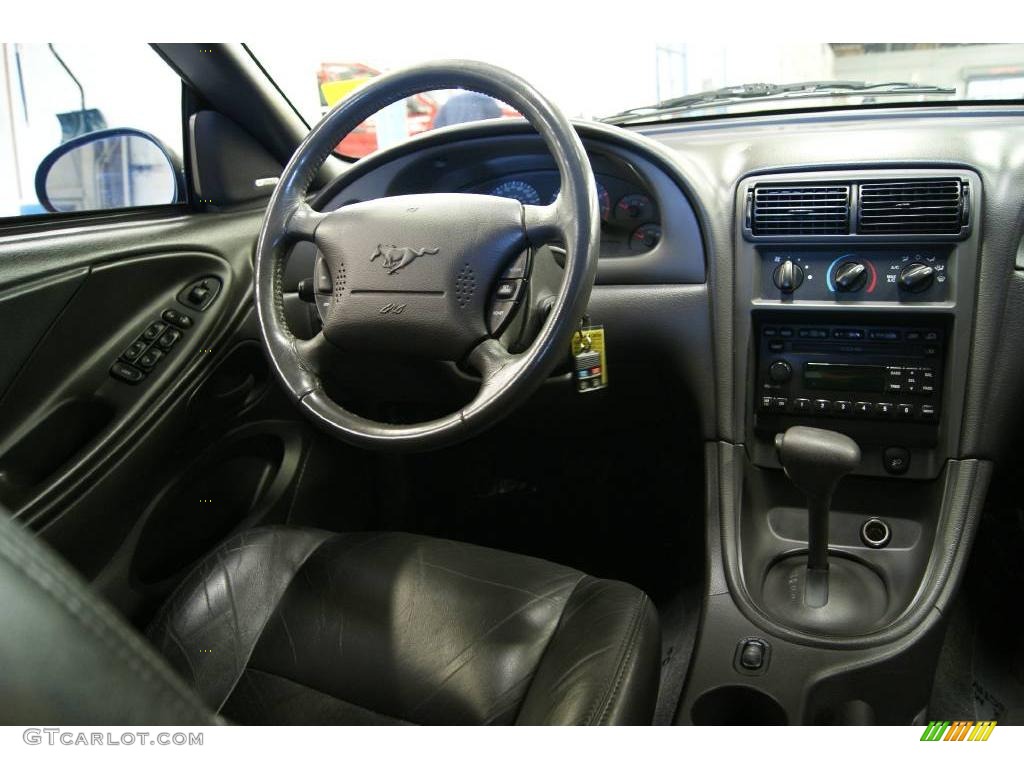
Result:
pixel 816 460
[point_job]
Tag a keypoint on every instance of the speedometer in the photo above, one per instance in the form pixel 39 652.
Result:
pixel 517 189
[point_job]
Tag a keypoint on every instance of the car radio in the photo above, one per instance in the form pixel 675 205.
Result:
pixel 849 371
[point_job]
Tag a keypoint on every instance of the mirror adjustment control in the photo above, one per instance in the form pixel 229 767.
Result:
pixel 200 294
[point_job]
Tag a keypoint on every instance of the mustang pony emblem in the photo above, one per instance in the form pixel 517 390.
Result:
pixel 394 258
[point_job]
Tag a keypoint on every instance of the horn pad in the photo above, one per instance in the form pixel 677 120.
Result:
pixel 411 273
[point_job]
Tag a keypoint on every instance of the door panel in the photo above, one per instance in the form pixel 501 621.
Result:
pixel 76 299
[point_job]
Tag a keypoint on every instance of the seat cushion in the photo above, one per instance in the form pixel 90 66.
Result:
pixel 295 626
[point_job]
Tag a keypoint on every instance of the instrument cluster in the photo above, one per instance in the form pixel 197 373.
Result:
pixel 630 222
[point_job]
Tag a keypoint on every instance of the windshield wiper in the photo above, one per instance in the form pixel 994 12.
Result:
pixel 764 91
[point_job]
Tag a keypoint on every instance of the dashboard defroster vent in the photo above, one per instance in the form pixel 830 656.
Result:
pixel 927 206
pixel 800 210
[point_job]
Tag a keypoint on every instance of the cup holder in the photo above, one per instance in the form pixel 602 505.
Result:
pixel 737 705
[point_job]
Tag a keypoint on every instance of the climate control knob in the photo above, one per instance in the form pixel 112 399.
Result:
pixel 917 277
pixel 788 276
pixel 780 371
pixel 850 276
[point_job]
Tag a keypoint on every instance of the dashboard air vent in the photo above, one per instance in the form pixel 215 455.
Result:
pixel 801 210
pixel 913 207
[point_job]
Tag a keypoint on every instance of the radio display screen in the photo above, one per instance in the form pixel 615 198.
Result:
pixel 831 376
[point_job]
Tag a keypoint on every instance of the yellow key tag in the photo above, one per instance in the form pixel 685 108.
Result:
pixel 590 367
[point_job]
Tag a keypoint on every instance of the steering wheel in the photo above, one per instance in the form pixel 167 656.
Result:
pixel 415 274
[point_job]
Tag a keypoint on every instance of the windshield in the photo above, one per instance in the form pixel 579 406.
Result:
pixel 648 82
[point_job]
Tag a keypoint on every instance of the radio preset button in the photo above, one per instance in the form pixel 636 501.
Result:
pixel 822 406
pixel 861 408
pixel 844 407
pixel 905 410
pixel 801 405
pixel 884 409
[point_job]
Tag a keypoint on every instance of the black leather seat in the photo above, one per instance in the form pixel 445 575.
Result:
pixel 297 626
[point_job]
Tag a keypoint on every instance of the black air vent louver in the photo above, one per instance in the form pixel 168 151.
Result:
pixel 912 207
pixel 801 210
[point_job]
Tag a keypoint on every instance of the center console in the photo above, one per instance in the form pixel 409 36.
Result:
pixel 838 524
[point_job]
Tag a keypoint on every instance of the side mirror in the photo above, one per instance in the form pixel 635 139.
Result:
pixel 109 169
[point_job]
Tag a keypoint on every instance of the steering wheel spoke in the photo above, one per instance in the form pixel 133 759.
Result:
pixel 544 223
pixel 302 223
pixel 313 354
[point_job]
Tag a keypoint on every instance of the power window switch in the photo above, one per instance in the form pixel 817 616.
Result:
pixel 132 353
pixel 153 331
pixel 169 338
pixel 149 359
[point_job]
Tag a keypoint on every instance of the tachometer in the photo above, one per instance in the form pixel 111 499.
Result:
pixel 517 189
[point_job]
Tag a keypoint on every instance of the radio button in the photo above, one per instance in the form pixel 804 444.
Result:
pixel 786 333
pixel 927 389
pixel 884 335
pixel 771 332
pixel 802 405
pixel 848 333
pixel 844 407
pixel 905 410
pixel 894 386
pixel 927 411
pixel 822 406
pixel 862 409
pixel 766 402
pixel 780 404
pixel 813 333
pixel 776 346
pixel 884 409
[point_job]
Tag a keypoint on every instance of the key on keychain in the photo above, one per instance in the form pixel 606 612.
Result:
pixel 589 358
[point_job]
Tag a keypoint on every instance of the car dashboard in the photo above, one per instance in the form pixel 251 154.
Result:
pixel 715 307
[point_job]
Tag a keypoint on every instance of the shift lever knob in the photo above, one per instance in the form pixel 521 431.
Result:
pixel 816 460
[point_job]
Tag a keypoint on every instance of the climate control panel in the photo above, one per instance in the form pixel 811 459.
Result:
pixel 855 275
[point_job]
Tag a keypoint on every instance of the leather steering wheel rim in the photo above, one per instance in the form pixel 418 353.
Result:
pixel 573 219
